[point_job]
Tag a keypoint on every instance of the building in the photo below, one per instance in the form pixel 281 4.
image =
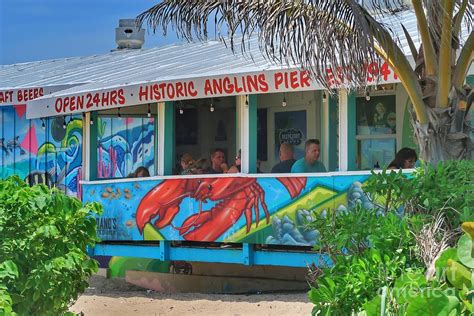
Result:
pixel 85 124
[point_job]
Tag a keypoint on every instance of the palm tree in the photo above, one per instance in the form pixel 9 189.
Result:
pixel 344 35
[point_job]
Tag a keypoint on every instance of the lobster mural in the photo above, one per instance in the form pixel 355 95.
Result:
pixel 234 197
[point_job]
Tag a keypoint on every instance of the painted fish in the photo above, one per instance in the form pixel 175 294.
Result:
pixel 15 143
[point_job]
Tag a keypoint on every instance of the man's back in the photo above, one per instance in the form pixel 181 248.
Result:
pixel 283 166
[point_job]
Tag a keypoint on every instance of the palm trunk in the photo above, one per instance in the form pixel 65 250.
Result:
pixel 447 136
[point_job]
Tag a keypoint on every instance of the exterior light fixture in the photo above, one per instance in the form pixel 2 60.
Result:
pixel 149 111
pixel 324 95
pixel 64 122
pixel 92 120
pixel 181 111
pixel 246 99
pixel 283 103
pixel 367 95
pixel 43 124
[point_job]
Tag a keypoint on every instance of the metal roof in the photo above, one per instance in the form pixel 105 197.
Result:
pixel 172 62
pixel 169 62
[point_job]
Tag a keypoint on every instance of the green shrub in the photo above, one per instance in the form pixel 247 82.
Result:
pixel 43 261
pixel 368 251
pixel 449 292
pixel 447 187
pixel 380 256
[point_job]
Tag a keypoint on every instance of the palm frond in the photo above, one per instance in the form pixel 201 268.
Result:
pixel 317 35
pixel 412 46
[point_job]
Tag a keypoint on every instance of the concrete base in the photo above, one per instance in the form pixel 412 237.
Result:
pixel 182 283
pixel 257 271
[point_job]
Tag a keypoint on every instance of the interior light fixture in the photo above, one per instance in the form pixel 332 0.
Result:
pixel 283 103
pixel 181 111
pixel 211 108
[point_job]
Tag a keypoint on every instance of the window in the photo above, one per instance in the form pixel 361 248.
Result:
pixel 201 126
pixel 376 130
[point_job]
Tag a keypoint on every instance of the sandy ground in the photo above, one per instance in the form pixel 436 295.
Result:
pixel 116 297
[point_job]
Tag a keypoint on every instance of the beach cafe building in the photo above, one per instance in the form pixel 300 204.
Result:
pixel 84 124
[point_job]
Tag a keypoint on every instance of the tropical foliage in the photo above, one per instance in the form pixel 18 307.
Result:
pixel 345 36
pixel 43 261
pixel 400 257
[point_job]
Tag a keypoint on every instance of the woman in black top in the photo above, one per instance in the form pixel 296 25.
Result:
pixel 404 159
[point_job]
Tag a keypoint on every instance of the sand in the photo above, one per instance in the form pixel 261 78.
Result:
pixel 116 297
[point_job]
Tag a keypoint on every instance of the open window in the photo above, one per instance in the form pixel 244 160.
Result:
pixel 202 126
pixel 289 118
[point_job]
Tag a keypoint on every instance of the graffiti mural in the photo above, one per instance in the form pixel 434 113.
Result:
pixel 45 151
pixel 124 144
pixel 266 210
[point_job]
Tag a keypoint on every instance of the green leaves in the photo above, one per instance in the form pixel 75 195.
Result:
pixel 464 251
pixel 447 187
pixel 43 260
pixel 433 303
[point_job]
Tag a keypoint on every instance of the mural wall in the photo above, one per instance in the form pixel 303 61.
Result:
pixel 123 145
pixel 238 209
pixel 43 150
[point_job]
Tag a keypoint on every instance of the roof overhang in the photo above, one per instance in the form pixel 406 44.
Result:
pixel 102 96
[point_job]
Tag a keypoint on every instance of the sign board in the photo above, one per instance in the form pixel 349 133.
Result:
pixel 275 81
pixel 23 95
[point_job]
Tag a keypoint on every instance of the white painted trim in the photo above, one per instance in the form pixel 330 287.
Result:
pixel 243 128
pixel 325 128
pixel 343 135
pixel 160 160
pixel 86 144
pixel 242 175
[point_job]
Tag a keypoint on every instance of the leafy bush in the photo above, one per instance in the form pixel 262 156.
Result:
pixel 447 187
pixel 353 232
pixel 368 251
pixel 450 292
pixel 377 254
pixel 43 261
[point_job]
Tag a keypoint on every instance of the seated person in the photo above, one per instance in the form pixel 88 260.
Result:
pixel 185 161
pixel 309 163
pixel 218 164
pixel 404 159
pixel 199 166
pixel 287 159
pixel 142 172
pixel 237 167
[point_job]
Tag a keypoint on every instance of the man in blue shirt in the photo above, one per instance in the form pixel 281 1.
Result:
pixel 309 163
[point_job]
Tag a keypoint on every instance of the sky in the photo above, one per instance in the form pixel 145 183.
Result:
pixel 32 30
